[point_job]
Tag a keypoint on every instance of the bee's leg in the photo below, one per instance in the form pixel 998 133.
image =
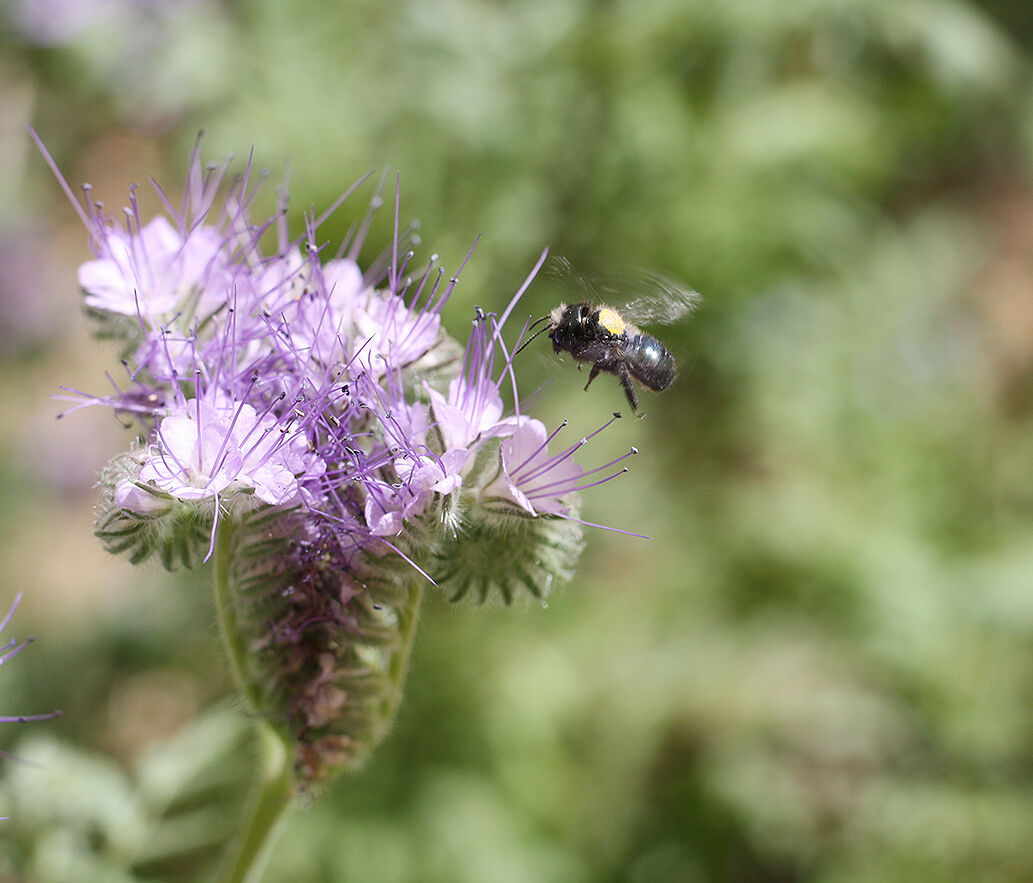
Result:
pixel 594 373
pixel 629 387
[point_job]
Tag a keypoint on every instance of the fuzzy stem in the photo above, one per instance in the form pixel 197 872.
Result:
pixel 408 615
pixel 232 637
pixel 267 814
pixel 275 784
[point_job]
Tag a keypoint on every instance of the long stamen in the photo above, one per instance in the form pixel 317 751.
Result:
pixel 543 446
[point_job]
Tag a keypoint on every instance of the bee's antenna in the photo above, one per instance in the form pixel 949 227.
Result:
pixel 533 336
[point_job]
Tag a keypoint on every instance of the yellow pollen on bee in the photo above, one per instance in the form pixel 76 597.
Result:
pixel 611 320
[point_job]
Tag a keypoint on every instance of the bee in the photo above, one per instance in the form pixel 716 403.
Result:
pixel 604 336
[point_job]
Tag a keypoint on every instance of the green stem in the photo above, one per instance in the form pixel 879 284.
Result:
pixel 232 636
pixel 275 785
pixel 267 813
pixel 408 615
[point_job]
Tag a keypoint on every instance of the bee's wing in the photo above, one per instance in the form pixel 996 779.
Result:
pixel 654 298
pixel 642 297
pixel 561 268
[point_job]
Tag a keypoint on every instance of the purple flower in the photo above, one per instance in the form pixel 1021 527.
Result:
pixel 202 451
pixel 389 332
pixel 472 411
pixel 311 411
pixel 156 270
pixel 531 478
pixel 326 312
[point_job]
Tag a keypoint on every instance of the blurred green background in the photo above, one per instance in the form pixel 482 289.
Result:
pixel 820 667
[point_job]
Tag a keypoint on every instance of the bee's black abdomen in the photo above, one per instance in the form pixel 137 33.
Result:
pixel 649 362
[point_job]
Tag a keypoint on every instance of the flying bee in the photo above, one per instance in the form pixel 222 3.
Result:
pixel 604 336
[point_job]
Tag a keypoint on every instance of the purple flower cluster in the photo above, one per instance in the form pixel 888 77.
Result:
pixel 309 422
pixel 295 378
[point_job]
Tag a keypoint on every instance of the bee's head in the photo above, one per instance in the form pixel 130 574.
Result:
pixel 568 325
pixel 557 317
